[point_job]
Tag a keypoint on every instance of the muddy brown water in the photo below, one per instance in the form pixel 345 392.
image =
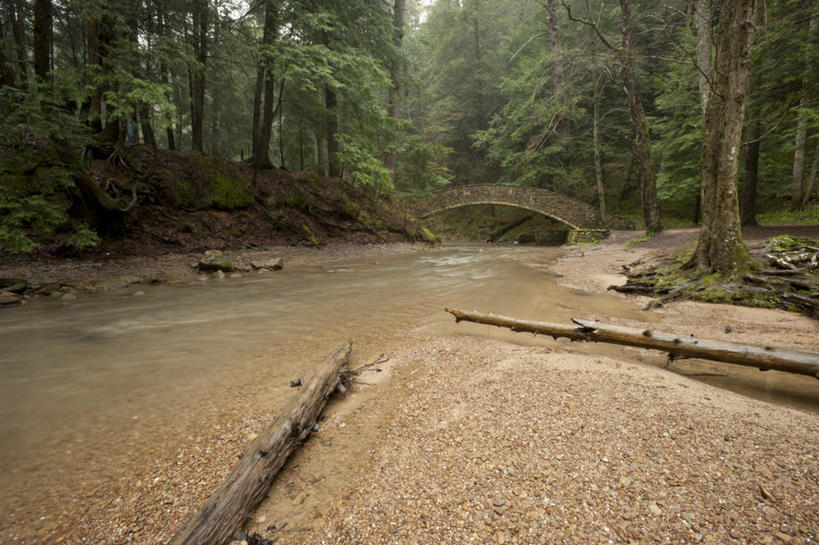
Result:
pixel 101 362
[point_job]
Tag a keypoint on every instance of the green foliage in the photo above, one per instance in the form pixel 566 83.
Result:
pixel 36 187
pixel 806 216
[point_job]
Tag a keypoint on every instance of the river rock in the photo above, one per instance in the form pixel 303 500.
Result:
pixel 9 298
pixel 16 285
pixel 215 260
pixel 68 297
pixel 272 264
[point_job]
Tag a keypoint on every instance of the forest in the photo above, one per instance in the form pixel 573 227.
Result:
pixel 606 103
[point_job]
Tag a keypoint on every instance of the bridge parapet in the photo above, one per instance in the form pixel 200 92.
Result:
pixel 572 212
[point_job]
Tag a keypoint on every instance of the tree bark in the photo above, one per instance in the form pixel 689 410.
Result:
pixel 642 139
pixel 262 157
pixel 747 209
pixel 797 176
pixel 321 153
pixel 598 165
pixel 393 100
pixel 200 46
pixel 331 128
pixel 43 20
pixel 554 45
pixel 812 179
pixel 704 43
pixel 720 248
pixel 257 110
pixel 763 358
pixel 226 510
pixel 147 129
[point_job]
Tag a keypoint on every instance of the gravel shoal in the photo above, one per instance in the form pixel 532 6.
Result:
pixel 497 443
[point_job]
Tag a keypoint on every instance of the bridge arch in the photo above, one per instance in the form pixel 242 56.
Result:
pixel 574 213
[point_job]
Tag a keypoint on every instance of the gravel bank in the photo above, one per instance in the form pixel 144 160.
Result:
pixel 496 443
pixel 113 272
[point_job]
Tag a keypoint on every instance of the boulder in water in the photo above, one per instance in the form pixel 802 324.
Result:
pixel 272 264
pixel 213 261
pixel 9 298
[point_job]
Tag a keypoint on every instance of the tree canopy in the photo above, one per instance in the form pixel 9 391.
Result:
pixel 600 101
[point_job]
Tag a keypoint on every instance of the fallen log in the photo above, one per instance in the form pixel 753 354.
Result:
pixel 763 358
pixel 229 507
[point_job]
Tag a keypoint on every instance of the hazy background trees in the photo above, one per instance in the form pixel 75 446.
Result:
pixel 415 96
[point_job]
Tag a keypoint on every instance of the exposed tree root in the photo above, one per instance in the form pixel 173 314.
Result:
pixel 784 274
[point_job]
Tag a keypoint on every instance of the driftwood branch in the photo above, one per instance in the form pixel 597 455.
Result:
pixel 228 508
pixel 763 358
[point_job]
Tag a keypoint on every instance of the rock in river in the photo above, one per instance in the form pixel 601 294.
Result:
pixel 272 264
pixel 8 298
pixel 213 261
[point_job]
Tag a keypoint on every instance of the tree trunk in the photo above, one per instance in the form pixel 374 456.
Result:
pixel 747 210
pixel 554 45
pixel 704 42
pixel 812 180
pixel 333 166
pixel 797 176
pixel 43 17
pixel 598 165
pixel 226 510
pixel 147 129
pixel 321 153
pixel 399 10
pixel 642 139
pixel 257 109
pixel 262 157
pixel 763 358
pixel 16 8
pixel 200 46
pixel 720 248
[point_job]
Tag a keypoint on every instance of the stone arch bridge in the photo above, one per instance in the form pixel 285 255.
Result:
pixel 577 215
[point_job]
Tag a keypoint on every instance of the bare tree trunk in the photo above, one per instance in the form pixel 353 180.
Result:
pixel 7 68
pixel 642 139
pixel 747 210
pixel 399 10
pixel 802 121
pixel 262 157
pixel 200 44
pixel 812 180
pixel 147 129
pixel 720 248
pixel 554 45
pixel 321 153
pixel 43 17
pixel 95 61
pixel 598 165
pixel 330 102
pixel 245 487
pixel 763 358
pixel 257 108
pixel 16 17
pixel 704 42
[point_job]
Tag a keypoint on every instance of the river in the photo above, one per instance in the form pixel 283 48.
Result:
pixel 83 371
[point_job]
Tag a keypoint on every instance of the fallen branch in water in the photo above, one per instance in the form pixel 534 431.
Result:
pixel 763 358
pixel 227 509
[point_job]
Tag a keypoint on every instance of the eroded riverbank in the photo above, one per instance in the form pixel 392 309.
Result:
pixel 202 368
